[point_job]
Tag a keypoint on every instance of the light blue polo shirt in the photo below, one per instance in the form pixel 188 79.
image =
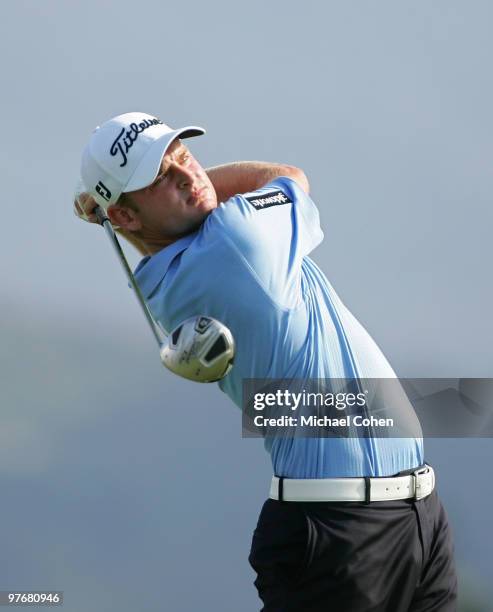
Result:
pixel 248 267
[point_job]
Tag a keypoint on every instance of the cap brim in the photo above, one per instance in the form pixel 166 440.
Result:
pixel 148 168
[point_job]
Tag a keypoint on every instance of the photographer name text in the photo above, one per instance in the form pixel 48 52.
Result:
pixel 322 421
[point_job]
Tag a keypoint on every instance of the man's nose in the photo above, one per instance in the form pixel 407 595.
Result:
pixel 185 176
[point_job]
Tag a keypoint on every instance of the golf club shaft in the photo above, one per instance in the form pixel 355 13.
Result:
pixel 106 223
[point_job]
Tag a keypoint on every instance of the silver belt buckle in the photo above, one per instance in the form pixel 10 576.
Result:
pixel 417 485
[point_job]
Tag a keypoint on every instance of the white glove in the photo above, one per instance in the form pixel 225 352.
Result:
pixel 84 204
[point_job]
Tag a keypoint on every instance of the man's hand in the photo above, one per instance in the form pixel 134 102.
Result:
pixel 84 206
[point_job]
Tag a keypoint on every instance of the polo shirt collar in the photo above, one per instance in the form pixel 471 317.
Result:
pixel 151 270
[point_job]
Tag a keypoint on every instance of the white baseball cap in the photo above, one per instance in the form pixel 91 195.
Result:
pixel 125 153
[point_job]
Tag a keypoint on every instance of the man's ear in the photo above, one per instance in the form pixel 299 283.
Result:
pixel 124 217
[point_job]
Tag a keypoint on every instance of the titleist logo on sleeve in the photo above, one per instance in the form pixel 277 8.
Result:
pixel 126 138
pixel 274 198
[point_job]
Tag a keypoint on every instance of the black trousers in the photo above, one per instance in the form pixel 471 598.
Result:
pixel 392 556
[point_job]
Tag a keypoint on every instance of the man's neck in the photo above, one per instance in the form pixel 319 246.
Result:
pixel 154 246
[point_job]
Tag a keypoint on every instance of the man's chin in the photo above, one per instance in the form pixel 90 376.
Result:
pixel 208 202
pixel 194 226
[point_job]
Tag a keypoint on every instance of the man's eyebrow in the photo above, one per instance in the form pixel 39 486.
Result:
pixel 164 165
pixel 160 172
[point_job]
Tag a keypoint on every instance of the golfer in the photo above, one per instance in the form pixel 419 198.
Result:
pixel 351 523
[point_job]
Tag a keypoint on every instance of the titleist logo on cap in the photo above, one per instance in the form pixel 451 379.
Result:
pixel 126 138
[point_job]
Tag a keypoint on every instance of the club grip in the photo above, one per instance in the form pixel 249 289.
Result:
pixel 100 215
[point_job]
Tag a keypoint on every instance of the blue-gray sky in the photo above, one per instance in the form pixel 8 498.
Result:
pixel 387 108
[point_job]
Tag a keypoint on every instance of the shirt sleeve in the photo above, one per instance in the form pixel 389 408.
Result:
pixel 272 230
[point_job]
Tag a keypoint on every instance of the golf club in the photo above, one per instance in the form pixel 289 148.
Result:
pixel 201 348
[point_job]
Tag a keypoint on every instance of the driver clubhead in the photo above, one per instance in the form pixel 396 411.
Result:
pixel 200 349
